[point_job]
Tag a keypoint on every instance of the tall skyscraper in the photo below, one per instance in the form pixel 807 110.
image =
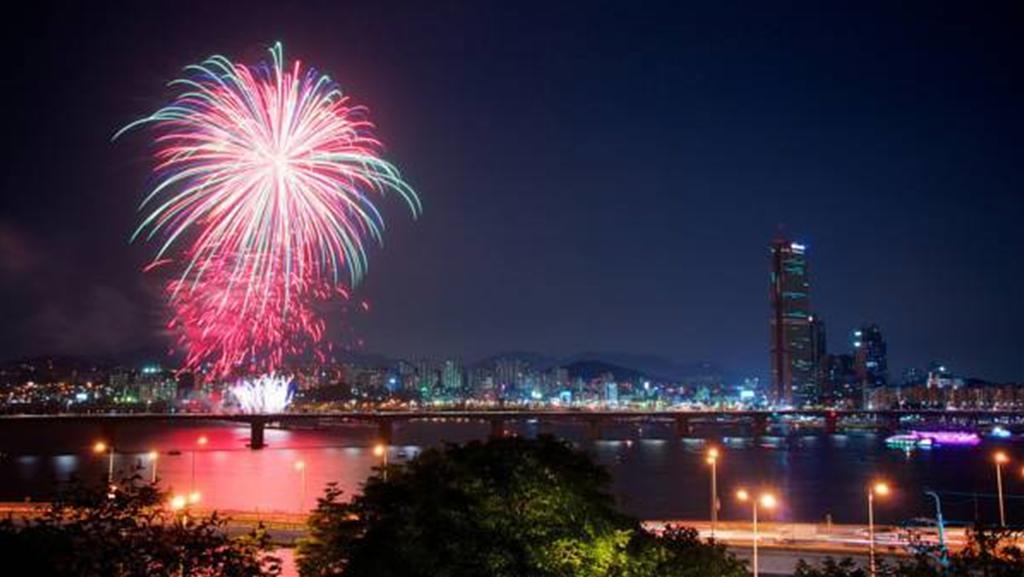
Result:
pixel 792 347
pixel 871 357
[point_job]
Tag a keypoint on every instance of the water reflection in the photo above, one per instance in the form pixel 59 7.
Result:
pixel 814 474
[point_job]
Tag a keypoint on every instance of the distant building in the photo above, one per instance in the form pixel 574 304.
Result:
pixel 155 384
pixel 511 374
pixel 841 388
pixel 871 357
pixel 812 390
pixel 792 349
pixel 428 376
pixel 610 389
pixel 451 377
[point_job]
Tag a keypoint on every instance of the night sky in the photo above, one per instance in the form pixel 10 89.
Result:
pixel 595 177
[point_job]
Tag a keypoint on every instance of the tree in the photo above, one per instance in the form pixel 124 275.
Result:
pixel 126 531
pixel 506 507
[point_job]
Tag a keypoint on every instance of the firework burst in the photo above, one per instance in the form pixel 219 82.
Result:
pixel 264 204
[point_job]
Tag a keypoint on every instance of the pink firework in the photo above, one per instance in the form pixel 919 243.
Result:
pixel 264 203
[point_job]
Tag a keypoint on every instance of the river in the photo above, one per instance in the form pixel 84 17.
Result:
pixel 654 476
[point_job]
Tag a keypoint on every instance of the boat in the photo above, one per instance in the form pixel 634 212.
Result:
pixel 1000 432
pixel 929 439
pixel 908 442
pixel 954 438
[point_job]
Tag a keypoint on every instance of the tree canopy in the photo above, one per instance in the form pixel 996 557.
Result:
pixel 505 507
pixel 96 531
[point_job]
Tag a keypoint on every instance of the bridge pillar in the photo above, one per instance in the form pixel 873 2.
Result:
pixel 256 428
pixel 498 428
pixel 594 429
pixel 891 422
pixel 384 430
pixel 760 425
pixel 683 427
pixel 831 423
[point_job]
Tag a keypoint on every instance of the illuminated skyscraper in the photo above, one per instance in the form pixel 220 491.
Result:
pixel 793 347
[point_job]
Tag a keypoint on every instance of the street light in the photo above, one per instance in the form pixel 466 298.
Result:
pixel 767 501
pixel 153 456
pixel 101 447
pixel 712 459
pixel 882 490
pixel 300 466
pixel 1001 459
pixel 943 551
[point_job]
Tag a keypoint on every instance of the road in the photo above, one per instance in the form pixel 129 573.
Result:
pixel 781 544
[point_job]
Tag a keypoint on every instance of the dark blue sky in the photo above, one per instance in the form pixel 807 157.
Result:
pixel 595 176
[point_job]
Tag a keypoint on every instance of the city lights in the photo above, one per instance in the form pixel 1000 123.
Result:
pixel 178 502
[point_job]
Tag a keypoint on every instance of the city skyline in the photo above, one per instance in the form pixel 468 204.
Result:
pixel 642 231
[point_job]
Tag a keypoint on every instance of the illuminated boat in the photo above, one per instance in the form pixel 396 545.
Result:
pixel 908 442
pixel 954 438
pixel 1000 432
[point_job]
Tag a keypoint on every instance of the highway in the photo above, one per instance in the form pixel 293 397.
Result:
pixel 781 544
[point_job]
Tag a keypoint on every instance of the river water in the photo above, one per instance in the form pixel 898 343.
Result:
pixel 655 476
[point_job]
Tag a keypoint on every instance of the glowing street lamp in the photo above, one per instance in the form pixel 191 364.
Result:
pixel 1000 459
pixel 766 501
pixel 712 459
pixel 153 456
pixel 880 489
pixel 178 502
pixel 101 447
pixel 300 466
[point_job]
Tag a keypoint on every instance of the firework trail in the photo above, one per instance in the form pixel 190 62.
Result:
pixel 263 207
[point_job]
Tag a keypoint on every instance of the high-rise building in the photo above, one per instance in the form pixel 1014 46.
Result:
pixel 869 352
pixel 792 348
pixel 841 388
pixel 819 360
pixel 451 377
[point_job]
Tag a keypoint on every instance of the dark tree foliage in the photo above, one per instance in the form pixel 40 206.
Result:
pixel 127 532
pixel 506 507
pixel 989 553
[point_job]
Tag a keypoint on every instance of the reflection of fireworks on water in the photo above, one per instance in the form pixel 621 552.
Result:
pixel 267 394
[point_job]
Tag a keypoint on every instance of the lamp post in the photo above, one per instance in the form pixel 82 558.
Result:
pixel 300 466
pixel 880 489
pixel 201 441
pixel 766 500
pixel 712 459
pixel 1000 458
pixel 943 552
pixel 153 456
pixel 101 447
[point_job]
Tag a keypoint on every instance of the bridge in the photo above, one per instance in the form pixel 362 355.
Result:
pixel 683 420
